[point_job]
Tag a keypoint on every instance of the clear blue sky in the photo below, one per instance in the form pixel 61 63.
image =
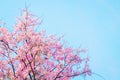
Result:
pixel 94 24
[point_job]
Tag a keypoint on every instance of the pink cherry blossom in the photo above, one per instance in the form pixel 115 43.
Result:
pixel 29 55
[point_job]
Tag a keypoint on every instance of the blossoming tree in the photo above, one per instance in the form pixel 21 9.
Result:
pixel 26 54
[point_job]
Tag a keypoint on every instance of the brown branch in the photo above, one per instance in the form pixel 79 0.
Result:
pixel 13 68
pixel 31 67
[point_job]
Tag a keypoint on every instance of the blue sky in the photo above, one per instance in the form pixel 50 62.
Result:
pixel 94 24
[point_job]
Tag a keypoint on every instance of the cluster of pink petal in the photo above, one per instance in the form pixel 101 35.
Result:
pixel 29 55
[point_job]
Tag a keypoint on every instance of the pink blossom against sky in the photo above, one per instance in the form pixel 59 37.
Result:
pixel 93 24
